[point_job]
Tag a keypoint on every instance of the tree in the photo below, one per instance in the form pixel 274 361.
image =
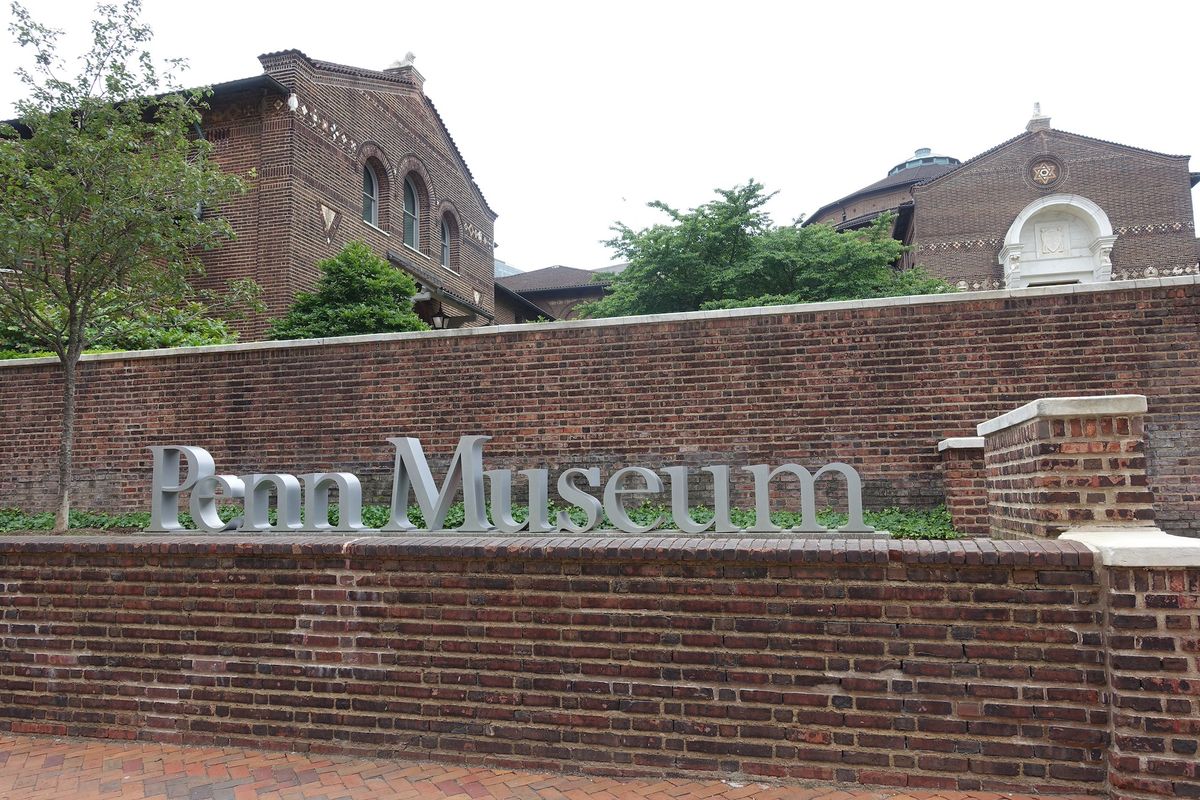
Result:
pixel 728 253
pixel 358 292
pixel 188 324
pixel 104 185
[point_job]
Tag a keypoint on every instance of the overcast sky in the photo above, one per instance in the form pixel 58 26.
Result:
pixel 572 115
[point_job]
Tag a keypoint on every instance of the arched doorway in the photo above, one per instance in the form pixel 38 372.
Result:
pixel 1058 239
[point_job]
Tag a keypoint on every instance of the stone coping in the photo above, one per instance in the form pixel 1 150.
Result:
pixel 1137 547
pixel 961 443
pixel 649 319
pixel 1045 407
pixel 972 552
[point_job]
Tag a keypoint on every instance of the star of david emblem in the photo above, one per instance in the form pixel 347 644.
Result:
pixel 1045 173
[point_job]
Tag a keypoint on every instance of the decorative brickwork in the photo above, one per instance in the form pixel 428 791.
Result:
pixel 947 665
pixel 966 484
pixel 872 383
pixel 1065 463
pixel 1154 668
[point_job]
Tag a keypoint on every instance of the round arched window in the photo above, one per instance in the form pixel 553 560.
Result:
pixel 412 215
pixel 370 193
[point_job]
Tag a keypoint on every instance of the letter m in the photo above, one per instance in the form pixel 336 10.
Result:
pixel 412 473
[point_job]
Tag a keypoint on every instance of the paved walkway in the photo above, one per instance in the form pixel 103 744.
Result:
pixel 37 768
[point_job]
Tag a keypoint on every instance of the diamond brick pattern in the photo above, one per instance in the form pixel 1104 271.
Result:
pixel 36 768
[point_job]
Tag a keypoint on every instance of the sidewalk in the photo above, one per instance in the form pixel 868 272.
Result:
pixel 38 768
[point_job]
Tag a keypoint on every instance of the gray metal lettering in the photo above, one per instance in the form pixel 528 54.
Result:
pixel 763 475
pixel 613 492
pixel 680 507
pixel 203 502
pixel 539 500
pixel 572 494
pixel 164 495
pixel 502 518
pixel 316 501
pixel 412 471
pixel 258 501
pixel 854 503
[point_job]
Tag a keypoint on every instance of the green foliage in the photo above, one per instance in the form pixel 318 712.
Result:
pixel 728 253
pixel 98 205
pixel 358 292
pixel 902 524
pixel 186 326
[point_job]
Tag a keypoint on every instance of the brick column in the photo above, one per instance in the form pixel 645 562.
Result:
pixel 1059 463
pixel 966 483
pixel 1151 601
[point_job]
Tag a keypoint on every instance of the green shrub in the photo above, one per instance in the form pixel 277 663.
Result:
pixel 901 523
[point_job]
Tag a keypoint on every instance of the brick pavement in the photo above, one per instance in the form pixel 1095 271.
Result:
pixel 39 768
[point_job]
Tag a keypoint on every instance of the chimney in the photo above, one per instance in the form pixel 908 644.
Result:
pixel 1038 122
pixel 406 71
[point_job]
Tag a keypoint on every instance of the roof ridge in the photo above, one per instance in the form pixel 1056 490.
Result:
pixel 1051 131
pixel 458 154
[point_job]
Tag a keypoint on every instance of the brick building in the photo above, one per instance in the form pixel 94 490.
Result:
pixel 342 153
pixel 1045 207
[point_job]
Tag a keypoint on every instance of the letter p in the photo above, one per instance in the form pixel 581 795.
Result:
pixel 167 485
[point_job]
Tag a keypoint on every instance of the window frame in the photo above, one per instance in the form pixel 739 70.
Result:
pixel 410 191
pixel 373 217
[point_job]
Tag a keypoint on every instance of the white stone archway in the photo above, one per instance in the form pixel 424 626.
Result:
pixel 1062 238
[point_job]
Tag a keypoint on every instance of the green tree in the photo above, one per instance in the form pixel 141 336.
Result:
pixel 728 253
pixel 102 187
pixel 358 292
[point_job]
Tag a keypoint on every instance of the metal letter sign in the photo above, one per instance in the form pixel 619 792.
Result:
pixel 182 468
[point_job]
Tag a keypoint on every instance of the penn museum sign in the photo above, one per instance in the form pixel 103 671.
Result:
pixel 303 502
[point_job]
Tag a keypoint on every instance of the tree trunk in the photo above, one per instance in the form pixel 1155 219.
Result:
pixel 66 446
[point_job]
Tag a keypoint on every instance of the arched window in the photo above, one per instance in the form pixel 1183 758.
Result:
pixel 449 235
pixel 412 214
pixel 370 191
pixel 445 243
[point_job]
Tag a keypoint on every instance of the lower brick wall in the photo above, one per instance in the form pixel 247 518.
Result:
pixel 1154 667
pixel 961 665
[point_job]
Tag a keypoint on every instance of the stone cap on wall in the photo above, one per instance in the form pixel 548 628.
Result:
pixel 796 550
pixel 647 319
pixel 1137 547
pixel 960 443
pixel 1046 407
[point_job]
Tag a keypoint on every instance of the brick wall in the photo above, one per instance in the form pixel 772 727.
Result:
pixel 1154 667
pixel 875 384
pixel 957 665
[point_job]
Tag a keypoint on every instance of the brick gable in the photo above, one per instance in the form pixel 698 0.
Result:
pixel 961 218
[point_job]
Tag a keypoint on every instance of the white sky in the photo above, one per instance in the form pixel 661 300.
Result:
pixel 572 115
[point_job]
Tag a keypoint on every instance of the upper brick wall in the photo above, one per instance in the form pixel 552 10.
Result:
pixel 873 383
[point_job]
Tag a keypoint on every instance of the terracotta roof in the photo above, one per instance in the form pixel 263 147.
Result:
pixel 556 277
pixel 907 177
pixel 431 282
pixel 531 308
